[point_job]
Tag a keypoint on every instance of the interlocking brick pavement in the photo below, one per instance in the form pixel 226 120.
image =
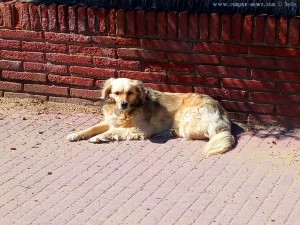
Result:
pixel 44 179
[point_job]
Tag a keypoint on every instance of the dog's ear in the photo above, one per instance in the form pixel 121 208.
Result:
pixel 141 90
pixel 142 94
pixel 106 90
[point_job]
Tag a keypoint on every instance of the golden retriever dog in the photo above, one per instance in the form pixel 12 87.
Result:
pixel 133 112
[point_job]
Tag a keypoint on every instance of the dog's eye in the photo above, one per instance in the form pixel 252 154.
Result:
pixel 129 93
pixel 117 93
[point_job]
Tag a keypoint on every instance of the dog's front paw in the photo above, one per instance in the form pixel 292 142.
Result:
pixel 98 139
pixel 73 137
pixel 94 140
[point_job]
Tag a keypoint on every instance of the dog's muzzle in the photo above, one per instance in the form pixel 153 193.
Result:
pixel 124 105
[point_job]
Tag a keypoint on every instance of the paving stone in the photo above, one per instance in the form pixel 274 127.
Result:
pixel 44 179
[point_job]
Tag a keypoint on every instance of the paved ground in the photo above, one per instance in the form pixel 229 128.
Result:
pixel 46 180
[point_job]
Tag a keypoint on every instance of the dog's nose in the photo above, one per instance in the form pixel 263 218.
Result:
pixel 124 105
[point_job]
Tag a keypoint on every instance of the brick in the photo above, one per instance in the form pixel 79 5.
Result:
pixel 52 13
pixel 248 28
pixel 45 67
pixel 254 118
pixel 248 62
pixel 1 16
pixel 24 76
pixel 271 30
pixel 163 66
pixel 44 47
pixel 248 84
pixel 33 66
pixel 236 27
pixel 235 116
pixel 20 34
pixel 214 27
pixel 282 52
pixel 138 54
pixel 119 41
pixel 101 20
pixel 290 88
pixel 283 121
pixel 85 93
pixel 221 48
pixel 170 88
pixel 15 55
pixel 111 22
pixel 259 29
pixel 183 24
pixel 99 83
pixel 130 25
pixel 69 59
pixel 25 16
pixel 62 18
pixel 222 93
pixel 294 31
pixel 43 9
pixel 289 65
pixel 162 24
pixel 46 89
pixel 116 63
pixel 192 79
pixel 140 23
pixel 225 27
pixel 11 65
pixel 194 58
pixel 151 23
pixel 193 29
pixel 91 19
pixel 21 15
pixel 92 72
pixel 10 86
pixel 10 44
pixel 144 76
pixel 172 24
pixel 166 45
pixel 223 71
pixel 7 15
pixel 34 17
pixel 248 107
pixel 71 80
pixel 204 26
pixel 283 28
pixel 67 38
pixel 72 18
pixel 275 75
pixel 98 51
pixel 81 19
pixel 120 22
pixel 274 98
pixel 293 111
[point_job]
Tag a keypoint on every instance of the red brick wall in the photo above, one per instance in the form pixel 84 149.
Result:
pixel 250 63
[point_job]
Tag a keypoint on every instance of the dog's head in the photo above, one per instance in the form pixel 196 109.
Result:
pixel 126 93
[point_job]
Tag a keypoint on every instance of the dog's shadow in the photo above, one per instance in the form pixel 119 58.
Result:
pixel 237 131
pixel 169 135
pixel 163 137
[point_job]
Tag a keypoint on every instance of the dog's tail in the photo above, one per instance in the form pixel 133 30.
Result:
pixel 219 143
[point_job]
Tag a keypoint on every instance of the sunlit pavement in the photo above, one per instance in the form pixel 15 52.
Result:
pixel 44 179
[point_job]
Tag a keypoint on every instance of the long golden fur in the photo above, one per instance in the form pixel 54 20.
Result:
pixel 133 112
